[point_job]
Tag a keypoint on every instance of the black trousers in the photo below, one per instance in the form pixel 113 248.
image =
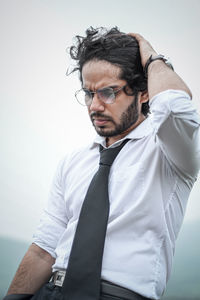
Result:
pixel 51 292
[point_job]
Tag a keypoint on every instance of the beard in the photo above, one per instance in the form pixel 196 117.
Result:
pixel 128 118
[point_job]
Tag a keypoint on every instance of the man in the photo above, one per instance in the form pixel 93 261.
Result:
pixel 149 181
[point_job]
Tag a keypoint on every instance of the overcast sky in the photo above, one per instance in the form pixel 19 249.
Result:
pixel 39 118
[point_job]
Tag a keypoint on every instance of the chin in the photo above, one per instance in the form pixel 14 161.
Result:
pixel 102 133
pixel 106 134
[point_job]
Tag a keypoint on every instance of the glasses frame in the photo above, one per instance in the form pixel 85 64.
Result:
pixel 91 93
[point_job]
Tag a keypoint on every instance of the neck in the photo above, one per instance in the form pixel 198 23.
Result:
pixel 113 139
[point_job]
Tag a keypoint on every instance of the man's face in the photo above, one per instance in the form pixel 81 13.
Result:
pixel 115 120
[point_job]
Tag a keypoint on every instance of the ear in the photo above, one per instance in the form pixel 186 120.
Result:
pixel 144 96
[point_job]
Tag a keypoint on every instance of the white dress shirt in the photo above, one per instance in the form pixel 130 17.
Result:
pixel 149 185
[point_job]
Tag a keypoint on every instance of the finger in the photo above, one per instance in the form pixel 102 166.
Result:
pixel 137 36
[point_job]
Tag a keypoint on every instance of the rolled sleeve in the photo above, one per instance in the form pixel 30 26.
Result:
pixel 54 219
pixel 177 127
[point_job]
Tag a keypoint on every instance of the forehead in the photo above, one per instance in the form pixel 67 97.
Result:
pixel 100 73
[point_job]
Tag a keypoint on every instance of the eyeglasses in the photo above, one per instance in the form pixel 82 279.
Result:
pixel 107 95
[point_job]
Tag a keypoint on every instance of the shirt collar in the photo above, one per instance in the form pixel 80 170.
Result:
pixel 142 130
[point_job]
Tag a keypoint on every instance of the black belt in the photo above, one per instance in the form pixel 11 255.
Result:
pixel 107 288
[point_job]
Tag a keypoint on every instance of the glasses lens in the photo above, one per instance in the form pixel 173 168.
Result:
pixel 106 95
pixel 83 97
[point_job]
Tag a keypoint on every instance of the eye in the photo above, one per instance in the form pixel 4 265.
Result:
pixel 106 93
pixel 87 93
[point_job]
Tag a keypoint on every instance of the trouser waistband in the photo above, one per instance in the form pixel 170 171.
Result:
pixel 107 288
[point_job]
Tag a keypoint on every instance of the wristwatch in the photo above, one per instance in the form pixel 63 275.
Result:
pixel 160 57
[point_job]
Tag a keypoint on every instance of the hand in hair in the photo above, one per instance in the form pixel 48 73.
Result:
pixel 146 50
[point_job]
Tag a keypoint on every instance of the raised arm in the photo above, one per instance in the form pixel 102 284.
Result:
pixel 174 118
pixel 160 76
pixel 33 272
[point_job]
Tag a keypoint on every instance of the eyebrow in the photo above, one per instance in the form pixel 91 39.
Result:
pixel 110 86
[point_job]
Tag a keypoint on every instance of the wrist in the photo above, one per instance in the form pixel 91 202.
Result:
pixel 157 58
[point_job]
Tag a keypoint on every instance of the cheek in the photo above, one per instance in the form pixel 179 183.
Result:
pixel 117 114
pixel 88 110
pixel 120 108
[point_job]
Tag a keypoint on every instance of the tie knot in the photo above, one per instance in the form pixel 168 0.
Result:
pixel 107 156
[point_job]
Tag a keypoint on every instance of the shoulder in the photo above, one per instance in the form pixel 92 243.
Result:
pixel 75 156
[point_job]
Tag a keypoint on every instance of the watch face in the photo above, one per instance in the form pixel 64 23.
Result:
pixel 168 62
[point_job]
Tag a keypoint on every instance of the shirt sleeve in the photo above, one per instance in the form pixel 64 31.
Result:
pixel 177 127
pixel 54 219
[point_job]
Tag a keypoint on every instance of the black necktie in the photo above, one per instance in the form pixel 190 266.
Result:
pixel 83 274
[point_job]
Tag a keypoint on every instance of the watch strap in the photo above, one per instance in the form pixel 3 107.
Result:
pixel 157 57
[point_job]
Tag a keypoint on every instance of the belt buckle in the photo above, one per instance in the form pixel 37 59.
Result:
pixel 59 278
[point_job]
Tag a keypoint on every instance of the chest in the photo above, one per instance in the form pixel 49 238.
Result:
pixel 140 167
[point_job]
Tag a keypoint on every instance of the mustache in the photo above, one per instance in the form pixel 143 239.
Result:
pixel 100 115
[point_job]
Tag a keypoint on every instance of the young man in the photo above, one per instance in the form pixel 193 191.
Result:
pixel 148 185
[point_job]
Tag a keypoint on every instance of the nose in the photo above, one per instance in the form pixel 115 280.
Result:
pixel 96 105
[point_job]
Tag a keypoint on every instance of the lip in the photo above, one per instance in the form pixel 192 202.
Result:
pixel 100 122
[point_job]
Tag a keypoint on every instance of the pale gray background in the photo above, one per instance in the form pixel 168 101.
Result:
pixel 39 117
pixel 40 120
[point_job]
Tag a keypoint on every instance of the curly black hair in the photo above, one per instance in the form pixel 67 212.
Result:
pixel 116 48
